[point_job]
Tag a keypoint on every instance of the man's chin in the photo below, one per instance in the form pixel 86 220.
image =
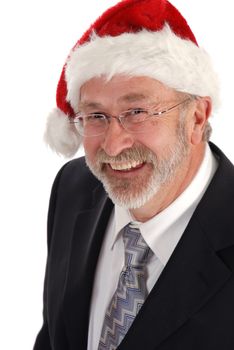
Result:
pixel 126 196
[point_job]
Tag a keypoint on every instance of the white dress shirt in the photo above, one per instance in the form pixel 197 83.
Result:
pixel 161 233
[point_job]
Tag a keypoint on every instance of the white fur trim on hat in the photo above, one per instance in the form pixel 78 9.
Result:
pixel 162 55
pixel 61 135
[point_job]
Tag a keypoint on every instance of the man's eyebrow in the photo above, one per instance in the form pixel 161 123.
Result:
pixel 133 97
pixel 89 104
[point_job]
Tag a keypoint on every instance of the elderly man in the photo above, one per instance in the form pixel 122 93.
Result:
pixel 140 232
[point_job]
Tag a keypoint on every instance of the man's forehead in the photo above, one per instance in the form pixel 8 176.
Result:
pixel 128 98
pixel 99 92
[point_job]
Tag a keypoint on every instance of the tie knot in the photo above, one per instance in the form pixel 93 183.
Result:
pixel 137 252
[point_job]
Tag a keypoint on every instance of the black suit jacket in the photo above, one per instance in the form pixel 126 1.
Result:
pixel 191 306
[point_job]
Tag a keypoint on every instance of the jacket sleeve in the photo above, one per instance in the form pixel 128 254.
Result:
pixel 43 340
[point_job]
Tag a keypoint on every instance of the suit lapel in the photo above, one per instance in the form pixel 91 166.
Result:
pixel 86 244
pixel 192 276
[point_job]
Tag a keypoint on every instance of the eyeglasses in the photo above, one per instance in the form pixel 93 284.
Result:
pixel 133 120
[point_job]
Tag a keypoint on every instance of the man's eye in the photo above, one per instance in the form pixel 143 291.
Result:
pixel 95 117
pixel 137 111
pixel 136 115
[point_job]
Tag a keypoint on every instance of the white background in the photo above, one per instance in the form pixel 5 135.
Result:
pixel 36 37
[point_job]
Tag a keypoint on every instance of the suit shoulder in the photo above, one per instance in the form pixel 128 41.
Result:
pixel 77 169
pixel 75 175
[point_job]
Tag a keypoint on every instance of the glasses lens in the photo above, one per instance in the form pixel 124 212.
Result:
pixel 134 120
pixel 91 124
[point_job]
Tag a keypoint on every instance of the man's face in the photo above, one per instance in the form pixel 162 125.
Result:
pixel 133 167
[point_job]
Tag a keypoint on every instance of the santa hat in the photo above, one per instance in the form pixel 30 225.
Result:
pixel 136 38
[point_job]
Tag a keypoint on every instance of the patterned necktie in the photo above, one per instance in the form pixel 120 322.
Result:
pixel 131 291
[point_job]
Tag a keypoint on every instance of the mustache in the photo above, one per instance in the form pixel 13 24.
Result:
pixel 135 153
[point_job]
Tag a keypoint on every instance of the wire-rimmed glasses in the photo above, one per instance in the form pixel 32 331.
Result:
pixel 133 120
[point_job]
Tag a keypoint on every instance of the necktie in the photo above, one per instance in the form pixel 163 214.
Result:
pixel 131 291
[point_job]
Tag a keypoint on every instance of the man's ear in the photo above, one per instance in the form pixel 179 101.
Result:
pixel 202 112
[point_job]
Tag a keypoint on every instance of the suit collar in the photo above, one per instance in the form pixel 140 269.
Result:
pixel 215 211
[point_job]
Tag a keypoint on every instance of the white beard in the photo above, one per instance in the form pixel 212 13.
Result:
pixel 136 191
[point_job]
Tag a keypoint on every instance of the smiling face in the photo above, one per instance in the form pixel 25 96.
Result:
pixel 136 167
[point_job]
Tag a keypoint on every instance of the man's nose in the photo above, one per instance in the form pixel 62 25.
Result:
pixel 116 139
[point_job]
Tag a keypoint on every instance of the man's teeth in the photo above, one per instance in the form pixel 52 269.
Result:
pixel 125 166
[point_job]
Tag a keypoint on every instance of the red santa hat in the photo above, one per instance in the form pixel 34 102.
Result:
pixel 135 38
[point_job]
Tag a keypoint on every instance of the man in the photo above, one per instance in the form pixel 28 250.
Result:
pixel 141 239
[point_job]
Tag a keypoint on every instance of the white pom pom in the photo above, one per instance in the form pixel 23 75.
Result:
pixel 60 135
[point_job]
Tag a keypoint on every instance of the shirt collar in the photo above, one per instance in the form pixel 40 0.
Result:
pixel 122 217
pixel 158 232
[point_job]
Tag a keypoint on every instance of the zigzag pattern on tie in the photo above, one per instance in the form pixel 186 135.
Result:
pixel 131 291
pixel 135 247
pixel 114 335
pixel 124 307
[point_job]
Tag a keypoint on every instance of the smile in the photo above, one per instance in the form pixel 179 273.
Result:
pixel 126 166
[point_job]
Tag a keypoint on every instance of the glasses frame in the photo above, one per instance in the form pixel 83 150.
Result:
pixel 121 116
